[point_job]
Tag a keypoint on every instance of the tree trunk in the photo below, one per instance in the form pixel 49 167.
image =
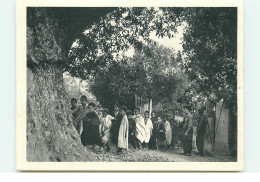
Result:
pixel 51 135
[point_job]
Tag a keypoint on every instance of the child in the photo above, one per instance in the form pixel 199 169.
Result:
pixel 105 126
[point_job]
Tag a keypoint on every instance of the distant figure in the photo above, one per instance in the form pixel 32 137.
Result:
pixel 123 132
pixel 90 134
pixel 131 132
pixel 188 132
pixel 148 129
pixel 105 126
pixel 140 129
pixel 168 132
pixel 201 130
pixel 80 112
pixel 175 133
pixel 74 106
pixel 160 134
pixel 180 135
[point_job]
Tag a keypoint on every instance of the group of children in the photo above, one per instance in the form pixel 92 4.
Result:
pixel 125 128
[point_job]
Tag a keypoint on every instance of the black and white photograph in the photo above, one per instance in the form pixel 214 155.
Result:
pixel 151 84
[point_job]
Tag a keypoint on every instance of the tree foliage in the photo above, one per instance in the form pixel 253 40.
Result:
pixel 153 74
pixel 210 51
pixel 209 44
pixel 114 34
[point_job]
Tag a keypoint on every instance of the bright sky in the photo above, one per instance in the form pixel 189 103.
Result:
pixel 174 43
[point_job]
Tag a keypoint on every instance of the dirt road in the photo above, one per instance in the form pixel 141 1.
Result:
pixel 156 156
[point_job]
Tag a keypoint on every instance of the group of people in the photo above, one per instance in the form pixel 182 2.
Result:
pixel 124 128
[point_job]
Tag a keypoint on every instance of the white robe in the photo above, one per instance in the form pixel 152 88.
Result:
pixel 168 133
pixel 140 128
pixel 148 130
pixel 105 126
pixel 123 134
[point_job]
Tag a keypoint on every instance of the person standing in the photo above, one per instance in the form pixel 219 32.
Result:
pixel 116 124
pixel 152 142
pixel 201 130
pixel 123 132
pixel 148 129
pixel 105 126
pixel 131 132
pixel 140 129
pixel 188 131
pixel 168 132
pixel 160 133
pixel 90 134
pixel 80 113
pixel 175 133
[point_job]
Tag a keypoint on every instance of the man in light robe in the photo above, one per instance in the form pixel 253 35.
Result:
pixel 168 132
pixel 123 132
pixel 148 129
pixel 139 129
pixel 80 112
pixel 105 126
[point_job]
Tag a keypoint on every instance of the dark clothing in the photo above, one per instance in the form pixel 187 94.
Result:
pixel 152 142
pixel 137 143
pixel 145 145
pixel 187 144
pixel 131 135
pixel 153 120
pixel 187 139
pixel 175 134
pixel 115 128
pixel 131 122
pixel 90 134
pixel 201 129
pixel 160 133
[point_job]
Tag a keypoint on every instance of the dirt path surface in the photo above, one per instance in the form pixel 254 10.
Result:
pixel 156 156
